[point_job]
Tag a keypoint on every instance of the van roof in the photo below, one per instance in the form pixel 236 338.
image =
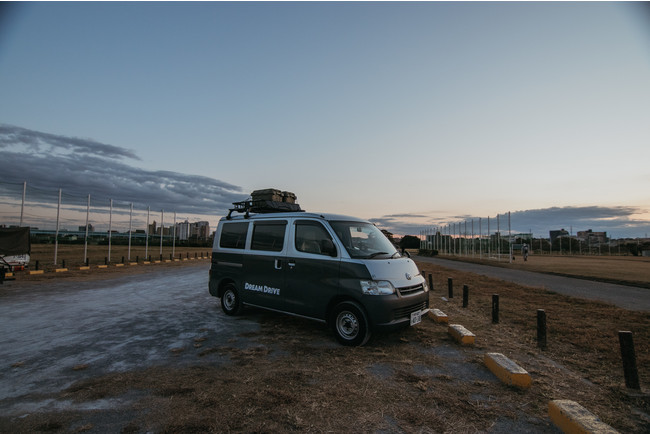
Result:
pixel 281 215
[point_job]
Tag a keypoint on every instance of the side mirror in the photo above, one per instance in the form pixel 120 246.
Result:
pixel 328 247
pixel 407 254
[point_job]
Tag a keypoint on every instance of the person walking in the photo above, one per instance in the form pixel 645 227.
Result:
pixel 524 252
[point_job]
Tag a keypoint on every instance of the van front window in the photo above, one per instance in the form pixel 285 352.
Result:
pixel 363 240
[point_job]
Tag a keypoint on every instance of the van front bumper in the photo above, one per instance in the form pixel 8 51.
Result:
pixel 386 315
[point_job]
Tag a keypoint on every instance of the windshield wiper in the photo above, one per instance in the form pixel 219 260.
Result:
pixel 377 254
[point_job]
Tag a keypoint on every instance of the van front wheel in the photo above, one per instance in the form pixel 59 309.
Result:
pixel 230 303
pixel 350 324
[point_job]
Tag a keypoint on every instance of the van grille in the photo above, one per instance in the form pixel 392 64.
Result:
pixel 411 289
pixel 405 312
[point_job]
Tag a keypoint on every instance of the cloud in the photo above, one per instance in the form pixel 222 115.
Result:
pixel 35 141
pixel 617 221
pixel 84 166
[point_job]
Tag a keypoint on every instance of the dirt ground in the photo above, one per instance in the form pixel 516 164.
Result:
pixel 296 378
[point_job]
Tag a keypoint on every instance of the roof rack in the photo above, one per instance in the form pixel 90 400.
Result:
pixel 266 201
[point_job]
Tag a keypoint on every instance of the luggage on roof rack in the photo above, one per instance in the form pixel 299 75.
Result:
pixel 267 201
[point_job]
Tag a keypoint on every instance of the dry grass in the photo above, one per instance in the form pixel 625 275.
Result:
pixel 73 254
pixel 582 338
pixel 620 269
pixel 291 377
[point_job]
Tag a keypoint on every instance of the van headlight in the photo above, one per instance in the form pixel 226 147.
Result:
pixel 377 287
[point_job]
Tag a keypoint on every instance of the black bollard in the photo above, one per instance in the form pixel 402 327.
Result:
pixel 36 266
pixel 465 295
pixel 541 329
pixel 87 262
pixel 105 260
pixel 123 259
pixel 495 308
pixel 629 360
pixel 450 286
pixel 430 282
pixel 63 263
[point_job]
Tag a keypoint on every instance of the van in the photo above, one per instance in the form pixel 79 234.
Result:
pixel 335 269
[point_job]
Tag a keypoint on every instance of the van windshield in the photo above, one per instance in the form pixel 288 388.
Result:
pixel 364 240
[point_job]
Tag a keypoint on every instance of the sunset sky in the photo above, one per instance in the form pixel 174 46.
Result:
pixel 410 114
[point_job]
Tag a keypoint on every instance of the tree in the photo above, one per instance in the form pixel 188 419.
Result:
pixel 409 242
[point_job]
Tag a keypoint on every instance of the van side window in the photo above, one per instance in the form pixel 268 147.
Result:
pixel 311 237
pixel 233 235
pixel 269 236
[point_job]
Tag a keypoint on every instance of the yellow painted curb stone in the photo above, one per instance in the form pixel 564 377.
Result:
pixel 507 370
pixel 438 316
pixel 461 334
pixel 572 418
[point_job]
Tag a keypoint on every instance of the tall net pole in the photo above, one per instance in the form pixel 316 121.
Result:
pixel 22 207
pixel 86 238
pixel 146 241
pixel 110 229
pixel 130 230
pixel 56 237
pixel 162 229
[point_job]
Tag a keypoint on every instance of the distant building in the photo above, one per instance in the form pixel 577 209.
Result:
pixel 152 229
pixel 555 234
pixel 200 230
pixel 527 238
pixel 183 231
pixel 590 236
pixel 91 228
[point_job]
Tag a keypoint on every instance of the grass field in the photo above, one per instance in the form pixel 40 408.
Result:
pixel 618 269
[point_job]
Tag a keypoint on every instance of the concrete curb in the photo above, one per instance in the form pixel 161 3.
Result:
pixel 88 267
pixel 507 370
pixel 571 418
pixel 461 334
pixel 438 316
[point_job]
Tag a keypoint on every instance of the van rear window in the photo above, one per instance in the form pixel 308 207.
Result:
pixel 233 235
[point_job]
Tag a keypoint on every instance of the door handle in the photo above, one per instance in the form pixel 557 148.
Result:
pixel 291 264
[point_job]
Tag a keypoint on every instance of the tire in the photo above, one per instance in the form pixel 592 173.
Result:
pixel 230 303
pixel 350 324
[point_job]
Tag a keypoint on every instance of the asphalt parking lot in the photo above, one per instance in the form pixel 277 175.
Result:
pixel 58 332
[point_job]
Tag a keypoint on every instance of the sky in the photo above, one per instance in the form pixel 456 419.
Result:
pixel 412 115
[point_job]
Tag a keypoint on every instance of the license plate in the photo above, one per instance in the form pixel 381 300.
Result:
pixel 416 317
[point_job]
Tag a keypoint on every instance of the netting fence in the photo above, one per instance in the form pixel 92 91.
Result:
pixel 492 237
pixel 63 219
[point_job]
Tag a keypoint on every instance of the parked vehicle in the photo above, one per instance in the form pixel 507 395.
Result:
pixel 15 247
pixel 331 268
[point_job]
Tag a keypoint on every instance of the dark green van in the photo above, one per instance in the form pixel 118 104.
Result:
pixel 331 268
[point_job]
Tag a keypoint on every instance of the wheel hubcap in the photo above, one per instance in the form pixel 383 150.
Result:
pixel 229 300
pixel 347 325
